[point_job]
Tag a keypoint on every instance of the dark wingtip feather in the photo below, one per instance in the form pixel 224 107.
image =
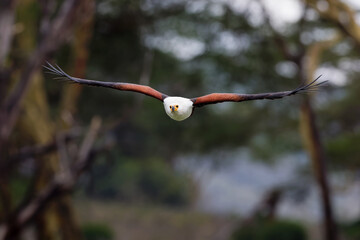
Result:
pixel 56 70
pixel 52 69
pixel 313 86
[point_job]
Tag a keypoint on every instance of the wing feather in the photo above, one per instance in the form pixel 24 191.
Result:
pixel 234 97
pixel 56 70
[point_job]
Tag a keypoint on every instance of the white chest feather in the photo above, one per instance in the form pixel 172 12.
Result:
pixel 178 108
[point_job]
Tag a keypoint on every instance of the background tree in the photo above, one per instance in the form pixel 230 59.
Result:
pixel 184 48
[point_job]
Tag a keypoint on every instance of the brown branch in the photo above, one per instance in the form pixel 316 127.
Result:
pixel 84 153
pixel 266 208
pixel 36 151
pixel 63 155
pixel 60 29
pixel 341 15
pixel 7 16
pixel 80 51
pixel 5 199
pixel 312 141
pixel 47 10
pixel 61 184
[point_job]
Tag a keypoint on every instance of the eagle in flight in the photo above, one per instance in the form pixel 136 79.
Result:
pixel 180 108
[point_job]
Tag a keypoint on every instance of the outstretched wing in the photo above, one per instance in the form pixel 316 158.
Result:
pixel 234 97
pixel 116 85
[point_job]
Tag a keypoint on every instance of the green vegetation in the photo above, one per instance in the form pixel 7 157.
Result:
pixel 139 222
pixel 133 180
pixel 351 230
pixel 96 231
pixel 272 230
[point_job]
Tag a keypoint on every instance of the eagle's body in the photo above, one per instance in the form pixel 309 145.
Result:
pixel 180 108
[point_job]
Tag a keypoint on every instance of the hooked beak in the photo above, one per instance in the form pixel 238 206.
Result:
pixel 172 108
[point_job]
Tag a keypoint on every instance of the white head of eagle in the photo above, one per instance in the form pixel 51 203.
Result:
pixel 178 108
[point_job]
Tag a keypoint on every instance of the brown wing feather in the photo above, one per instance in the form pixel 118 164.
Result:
pixel 234 97
pixel 116 85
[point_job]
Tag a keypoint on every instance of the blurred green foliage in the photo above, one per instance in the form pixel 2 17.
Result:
pixel 351 230
pixel 341 122
pixel 19 187
pixel 272 230
pixel 142 181
pixel 97 231
pixel 158 182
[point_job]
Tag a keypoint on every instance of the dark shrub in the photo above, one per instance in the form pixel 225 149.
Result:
pixel 97 231
pixel 274 230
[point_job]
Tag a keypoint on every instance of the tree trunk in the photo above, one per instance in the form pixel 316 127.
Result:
pixel 60 28
pixel 7 15
pixel 70 96
pixel 315 148
pixel 341 15
pixel 36 125
pixel 83 33
pixel 312 140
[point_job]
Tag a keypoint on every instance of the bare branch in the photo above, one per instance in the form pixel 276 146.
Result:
pixel 60 29
pixel 35 151
pixel 61 184
pixel 7 16
pixel 63 156
pixel 341 15
pixel 83 157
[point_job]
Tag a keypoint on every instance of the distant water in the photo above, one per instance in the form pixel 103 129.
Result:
pixel 231 183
